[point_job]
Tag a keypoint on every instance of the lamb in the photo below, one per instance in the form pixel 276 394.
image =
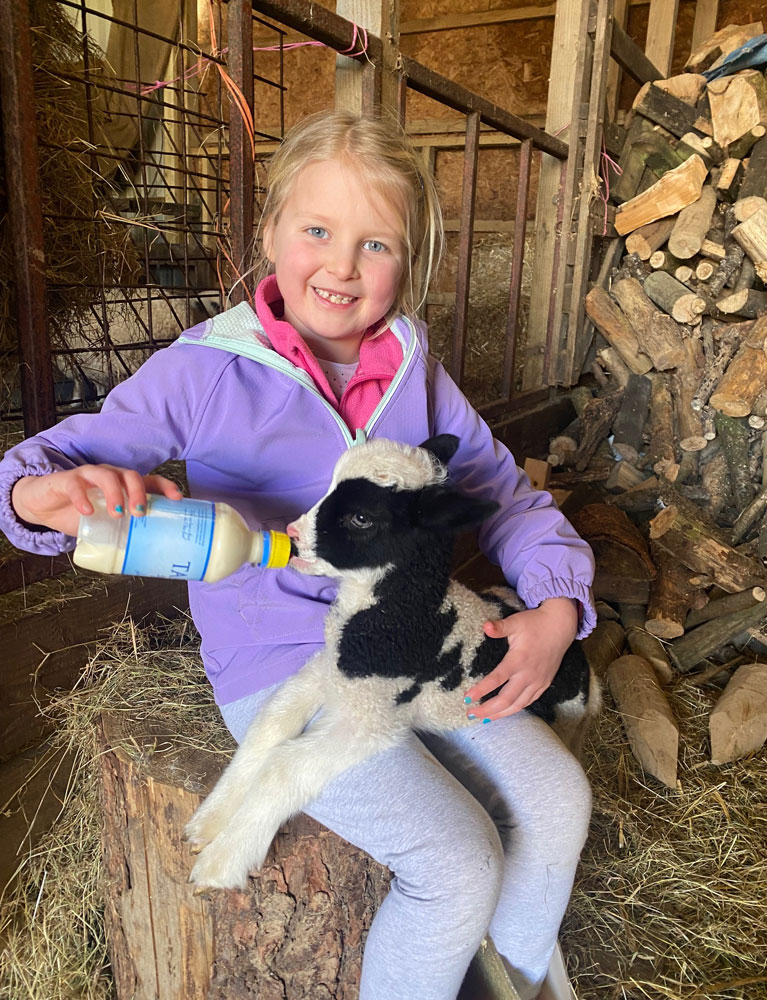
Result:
pixel 403 641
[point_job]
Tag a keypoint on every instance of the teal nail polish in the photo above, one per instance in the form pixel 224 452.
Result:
pixel 119 508
pixel 140 508
pixel 485 720
pixel 471 715
pixel 467 700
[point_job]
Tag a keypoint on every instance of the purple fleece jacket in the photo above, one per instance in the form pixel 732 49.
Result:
pixel 256 433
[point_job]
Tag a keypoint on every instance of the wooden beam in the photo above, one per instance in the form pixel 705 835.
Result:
pixel 353 78
pixel 661 31
pixel 627 53
pixel 705 22
pixel 555 186
pixel 620 15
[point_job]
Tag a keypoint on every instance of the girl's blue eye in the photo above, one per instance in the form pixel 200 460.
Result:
pixel 375 246
pixel 317 231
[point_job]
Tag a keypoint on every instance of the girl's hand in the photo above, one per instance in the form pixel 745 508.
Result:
pixel 537 640
pixel 57 500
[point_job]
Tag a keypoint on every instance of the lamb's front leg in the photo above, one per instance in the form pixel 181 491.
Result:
pixel 283 717
pixel 297 773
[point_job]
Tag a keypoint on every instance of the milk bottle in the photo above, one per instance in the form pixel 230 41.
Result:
pixel 176 539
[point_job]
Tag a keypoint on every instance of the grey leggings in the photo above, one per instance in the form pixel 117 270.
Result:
pixel 482 829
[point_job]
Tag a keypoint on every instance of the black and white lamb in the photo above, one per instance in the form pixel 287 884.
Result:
pixel 403 641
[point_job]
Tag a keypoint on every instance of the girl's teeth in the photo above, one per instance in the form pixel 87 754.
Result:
pixel 338 299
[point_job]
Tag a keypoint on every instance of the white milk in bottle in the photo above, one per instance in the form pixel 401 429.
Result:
pixel 176 539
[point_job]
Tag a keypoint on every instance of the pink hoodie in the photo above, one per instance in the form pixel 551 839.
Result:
pixel 380 357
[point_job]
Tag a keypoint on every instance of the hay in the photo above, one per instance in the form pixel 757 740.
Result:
pixel 669 904
pixel 51 915
pixel 670 900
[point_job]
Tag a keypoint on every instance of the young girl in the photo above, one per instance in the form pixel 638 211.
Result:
pixel 482 828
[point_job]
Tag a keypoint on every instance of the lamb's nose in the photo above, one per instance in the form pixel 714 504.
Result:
pixel 292 530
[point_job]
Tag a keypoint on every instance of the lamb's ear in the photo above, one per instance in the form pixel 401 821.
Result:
pixel 442 446
pixel 445 510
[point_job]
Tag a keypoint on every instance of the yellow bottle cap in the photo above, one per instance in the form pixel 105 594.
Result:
pixel 279 550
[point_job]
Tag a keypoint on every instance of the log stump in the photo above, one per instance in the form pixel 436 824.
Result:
pixel 298 929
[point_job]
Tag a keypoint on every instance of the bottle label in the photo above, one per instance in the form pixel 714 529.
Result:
pixel 172 540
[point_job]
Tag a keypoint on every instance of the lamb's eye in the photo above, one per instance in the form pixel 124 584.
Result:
pixel 359 520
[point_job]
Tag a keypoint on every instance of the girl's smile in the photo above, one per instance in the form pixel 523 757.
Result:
pixel 338 250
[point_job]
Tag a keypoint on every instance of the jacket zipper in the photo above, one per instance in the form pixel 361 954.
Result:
pixel 259 354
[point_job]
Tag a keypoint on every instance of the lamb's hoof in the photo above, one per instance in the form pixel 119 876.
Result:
pixel 215 868
pixel 203 828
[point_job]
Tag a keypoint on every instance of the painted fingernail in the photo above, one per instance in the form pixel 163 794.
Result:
pixel 118 508
pixel 140 508
pixel 471 715
pixel 467 700
pixel 486 720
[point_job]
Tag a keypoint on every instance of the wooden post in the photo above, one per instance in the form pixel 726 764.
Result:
pixel 705 22
pixel 381 17
pixel 661 30
pixel 567 76
pixel 614 73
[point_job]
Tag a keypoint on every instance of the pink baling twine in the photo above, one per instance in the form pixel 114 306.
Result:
pixel 360 36
pixel 606 161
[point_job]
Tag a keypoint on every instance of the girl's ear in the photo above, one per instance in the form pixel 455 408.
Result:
pixel 267 239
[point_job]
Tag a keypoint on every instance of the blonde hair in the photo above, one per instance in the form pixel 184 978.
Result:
pixel 384 156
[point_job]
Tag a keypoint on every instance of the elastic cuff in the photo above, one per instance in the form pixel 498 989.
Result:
pixel 587 617
pixel 45 543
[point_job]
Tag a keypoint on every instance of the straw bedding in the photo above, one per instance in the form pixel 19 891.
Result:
pixel 669 903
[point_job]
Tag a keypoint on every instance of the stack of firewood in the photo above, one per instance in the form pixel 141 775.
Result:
pixel 674 436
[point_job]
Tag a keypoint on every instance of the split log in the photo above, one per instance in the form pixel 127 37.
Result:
pixel 674 298
pixel 752 236
pixel 624 476
pixel 735 445
pixel 712 250
pixel 688 87
pixel 614 365
pixel 738 722
pixel 692 225
pixel 720 44
pixel 657 334
pixel 715 480
pixel 665 109
pixel 729 180
pixel 748 303
pixel 628 426
pixel 704 146
pixel 645 241
pixel 670 597
pixel 737 103
pixel 661 452
pixel 750 515
pixel 538 472
pixel 704 548
pixel 746 375
pixel 647 716
pixel 686 653
pixel 713 373
pixel 744 208
pixel 726 605
pixel 675 190
pixel 603 645
pixel 616 329
pixel 641 643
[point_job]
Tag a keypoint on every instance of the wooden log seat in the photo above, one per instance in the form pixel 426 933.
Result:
pixel 297 931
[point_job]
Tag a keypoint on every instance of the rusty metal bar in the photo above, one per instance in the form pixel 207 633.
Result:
pixel 517 265
pixel 321 24
pixel 25 215
pixel 371 87
pixel 465 237
pixel 241 170
pixel 439 88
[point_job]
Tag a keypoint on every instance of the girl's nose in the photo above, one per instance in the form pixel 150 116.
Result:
pixel 342 263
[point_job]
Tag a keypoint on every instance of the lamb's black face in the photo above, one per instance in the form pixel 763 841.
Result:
pixel 362 525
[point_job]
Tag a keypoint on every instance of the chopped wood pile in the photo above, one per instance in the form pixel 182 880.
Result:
pixel 664 467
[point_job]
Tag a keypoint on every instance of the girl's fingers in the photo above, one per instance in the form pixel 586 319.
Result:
pixel 499 707
pixel 164 486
